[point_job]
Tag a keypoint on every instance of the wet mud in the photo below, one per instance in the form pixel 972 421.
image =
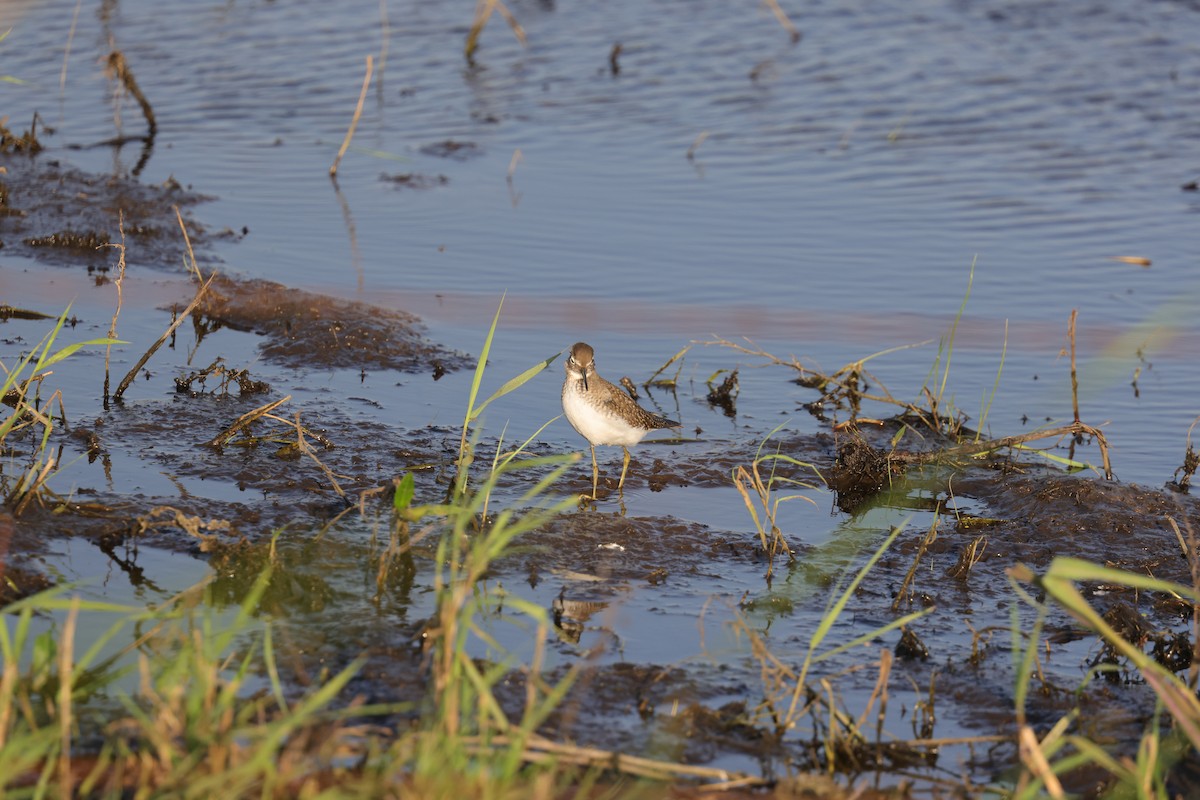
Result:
pixel 59 215
pixel 593 559
pixel 325 482
pixel 18 582
pixel 301 329
pixel 414 180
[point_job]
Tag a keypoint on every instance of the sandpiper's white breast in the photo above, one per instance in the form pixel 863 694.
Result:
pixel 595 423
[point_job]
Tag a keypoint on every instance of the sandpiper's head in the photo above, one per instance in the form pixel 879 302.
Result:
pixel 580 362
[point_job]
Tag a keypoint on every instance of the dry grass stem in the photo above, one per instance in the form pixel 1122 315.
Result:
pixel 306 448
pixel 1074 429
pixel 362 96
pixel 771 538
pixel 929 538
pixel 187 242
pixel 385 35
pixel 128 379
pixel 668 382
pixel 303 430
pixel 242 422
pixel 539 750
pixel 783 19
pixel 879 693
pixel 192 525
pixel 1074 374
pixel 66 685
pixel 112 328
pixel 1035 761
pixel 483 12
pixel 28 489
pixel 968 557
pixel 62 77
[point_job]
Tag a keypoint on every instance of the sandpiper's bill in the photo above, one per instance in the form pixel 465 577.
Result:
pixel 603 413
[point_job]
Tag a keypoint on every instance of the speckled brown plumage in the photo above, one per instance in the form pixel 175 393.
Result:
pixel 603 413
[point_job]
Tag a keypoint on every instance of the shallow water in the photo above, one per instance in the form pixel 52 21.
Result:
pixel 845 188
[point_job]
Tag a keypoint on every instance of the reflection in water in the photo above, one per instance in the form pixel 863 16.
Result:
pixel 119 72
pixel 351 231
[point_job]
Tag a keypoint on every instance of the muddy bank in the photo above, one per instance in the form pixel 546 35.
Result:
pixel 959 653
pixel 302 329
pixel 199 460
pixel 593 567
pixel 62 216
pixel 304 464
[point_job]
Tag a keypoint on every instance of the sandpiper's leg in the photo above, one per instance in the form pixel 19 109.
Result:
pixel 595 472
pixel 624 467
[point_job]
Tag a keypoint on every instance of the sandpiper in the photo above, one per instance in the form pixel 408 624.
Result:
pixel 603 413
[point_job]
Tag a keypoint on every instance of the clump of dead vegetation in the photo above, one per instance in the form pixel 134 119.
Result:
pixel 873 451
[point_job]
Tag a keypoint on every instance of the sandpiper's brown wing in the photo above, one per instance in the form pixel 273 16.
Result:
pixel 663 422
pixel 624 406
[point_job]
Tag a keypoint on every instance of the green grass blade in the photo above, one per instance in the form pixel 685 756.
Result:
pixel 510 385
pixel 71 349
pixel 49 340
pixel 839 605
pixel 954 330
pixel 481 365
pixel 867 638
